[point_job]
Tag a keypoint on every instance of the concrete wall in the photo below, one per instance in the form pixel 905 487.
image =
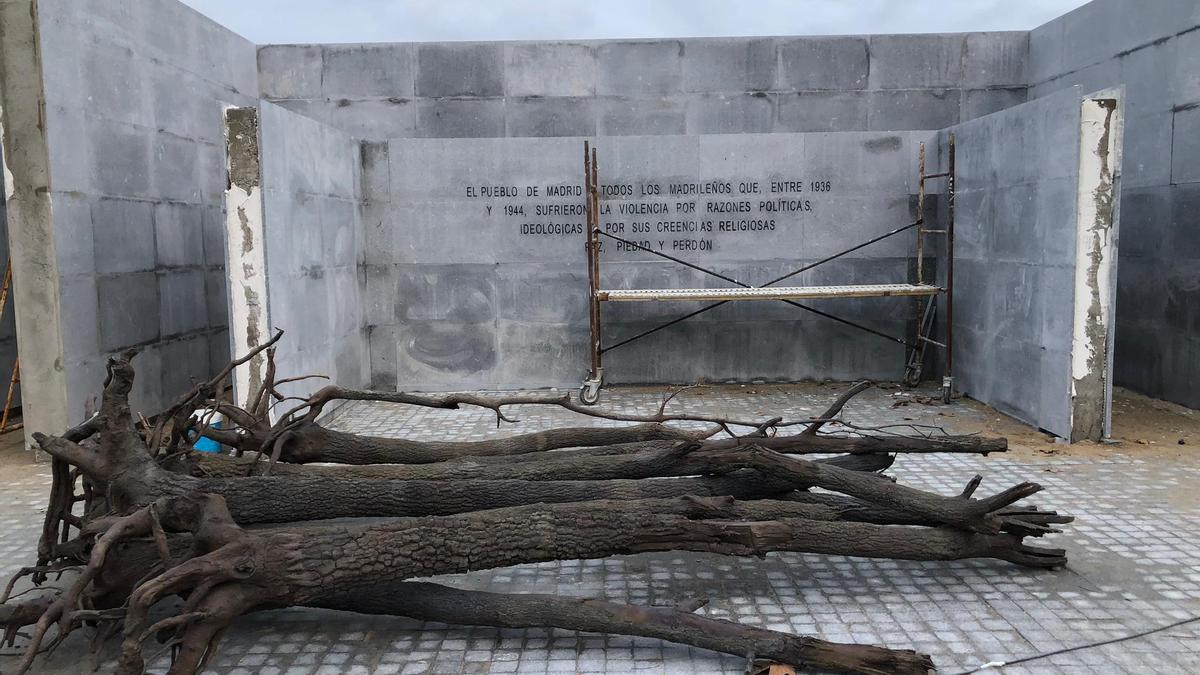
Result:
pixel 132 95
pixel 1025 195
pixel 644 87
pixel 1153 49
pixel 469 289
pixel 312 223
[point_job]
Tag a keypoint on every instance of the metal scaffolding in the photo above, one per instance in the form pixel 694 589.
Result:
pixel 925 293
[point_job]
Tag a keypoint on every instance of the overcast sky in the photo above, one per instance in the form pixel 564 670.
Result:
pixel 282 21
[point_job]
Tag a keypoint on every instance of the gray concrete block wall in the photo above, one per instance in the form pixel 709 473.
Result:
pixel 461 297
pixel 1153 50
pixel 312 223
pixel 642 87
pixel 1017 178
pixel 133 98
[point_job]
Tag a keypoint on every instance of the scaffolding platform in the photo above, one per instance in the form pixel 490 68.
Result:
pixel 770 293
pixel 924 294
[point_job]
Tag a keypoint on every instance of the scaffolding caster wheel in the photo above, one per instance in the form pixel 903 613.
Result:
pixel 947 389
pixel 589 391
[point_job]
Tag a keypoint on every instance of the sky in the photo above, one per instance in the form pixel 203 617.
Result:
pixel 332 21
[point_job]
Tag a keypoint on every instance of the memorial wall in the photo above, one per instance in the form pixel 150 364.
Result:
pixel 476 271
pixel 121 223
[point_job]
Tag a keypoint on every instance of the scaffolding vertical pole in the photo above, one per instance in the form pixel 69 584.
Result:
pixel 589 391
pixel 918 302
pixel 12 386
pixel 921 214
pixel 948 379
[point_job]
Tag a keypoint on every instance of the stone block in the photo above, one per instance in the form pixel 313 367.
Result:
pixel 371 118
pixel 147 394
pixel 555 116
pixel 1142 294
pixel 218 348
pixel 913 109
pixel 1047 59
pixel 214 236
pixel 177 99
pixel 129 313
pixel 1056 209
pixel 729 65
pixel 1058 286
pixel 1018 229
pixel 210 172
pixel 222 55
pixel 916 61
pixel 117 85
pixel 1185 80
pixel 1147 90
pixel 1185 146
pixel 383 347
pixel 174 163
pixel 640 117
pixel 184 360
pixel 296 243
pixel 995 59
pixel 812 63
pixel 821 111
pixel 290 71
pixel 1184 242
pixel 431 293
pixel 359 71
pixel 123 235
pixel 69 150
pixel 1145 223
pixel 460 118
pixel 1147 144
pixel 379 303
pixel 1137 361
pixel 80 307
pixel 639 69
pixel 216 291
pixel 730 113
pixel 1181 359
pixel 339 232
pixel 120 158
pixel 182 302
pixel 62 69
pixel 980 102
pixel 446 355
pixel 549 69
pixel 460 69
pixel 540 355
pixel 75 246
pixel 178 234
pixel 543 294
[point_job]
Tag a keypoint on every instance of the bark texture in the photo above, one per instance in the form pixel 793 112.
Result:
pixel 159 520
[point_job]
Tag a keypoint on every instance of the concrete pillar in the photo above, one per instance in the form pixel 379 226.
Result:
pixel 245 247
pixel 1095 265
pixel 31 230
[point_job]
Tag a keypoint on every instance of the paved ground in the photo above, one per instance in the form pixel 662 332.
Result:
pixel 1133 551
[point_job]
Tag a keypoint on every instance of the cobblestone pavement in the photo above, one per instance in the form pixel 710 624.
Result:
pixel 1133 550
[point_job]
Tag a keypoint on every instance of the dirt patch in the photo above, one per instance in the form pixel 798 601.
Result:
pixel 1142 427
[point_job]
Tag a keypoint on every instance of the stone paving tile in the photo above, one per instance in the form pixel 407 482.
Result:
pixel 1133 550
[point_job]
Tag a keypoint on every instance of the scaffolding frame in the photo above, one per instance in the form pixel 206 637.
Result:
pixel 924 293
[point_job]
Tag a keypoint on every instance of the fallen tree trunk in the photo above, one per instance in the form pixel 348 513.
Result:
pixel 314 443
pixel 554 466
pixel 159 524
pixel 434 602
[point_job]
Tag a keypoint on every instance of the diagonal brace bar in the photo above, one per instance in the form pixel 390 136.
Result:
pixel 789 275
